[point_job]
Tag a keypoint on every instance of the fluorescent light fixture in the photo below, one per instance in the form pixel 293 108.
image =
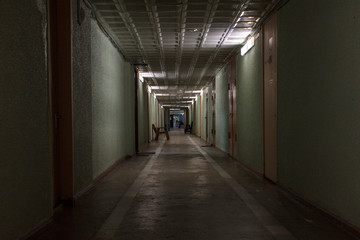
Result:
pixel 194 91
pixel 159 87
pixel 162 94
pixel 248 45
pixel 146 74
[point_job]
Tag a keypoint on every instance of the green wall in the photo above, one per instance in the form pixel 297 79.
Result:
pixel 210 113
pixel 112 108
pixel 197 120
pixel 318 103
pixel 249 115
pixel 222 110
pixel 25 162
pixel 156 114
pixel 203 114
pixel 82 105
pixel 206 119
pixel 142 113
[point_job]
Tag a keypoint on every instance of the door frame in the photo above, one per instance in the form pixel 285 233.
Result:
pixel 274 175
pixel 232 134
pixel 59 38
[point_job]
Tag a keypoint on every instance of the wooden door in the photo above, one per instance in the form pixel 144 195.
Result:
pixel 207 115
pixel 270 98
pixel 232 107
pixel 213 102
pixel 60 85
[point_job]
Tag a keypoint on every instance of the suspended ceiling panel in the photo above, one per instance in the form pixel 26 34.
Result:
pixel 182 43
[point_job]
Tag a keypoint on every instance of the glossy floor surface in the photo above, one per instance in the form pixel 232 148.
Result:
pixel 184 189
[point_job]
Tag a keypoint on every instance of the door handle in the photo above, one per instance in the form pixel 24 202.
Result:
pixel 57 120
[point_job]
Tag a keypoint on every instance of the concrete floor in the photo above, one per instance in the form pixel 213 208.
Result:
pixel 185 191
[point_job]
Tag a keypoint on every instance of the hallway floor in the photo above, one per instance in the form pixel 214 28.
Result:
pixel 187 190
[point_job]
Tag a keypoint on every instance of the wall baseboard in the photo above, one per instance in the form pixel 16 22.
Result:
pixel 33 234
pixel 336 220
pixel 91 186
pixel 346 226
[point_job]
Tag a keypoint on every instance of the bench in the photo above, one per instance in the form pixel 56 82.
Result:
pixel 160 130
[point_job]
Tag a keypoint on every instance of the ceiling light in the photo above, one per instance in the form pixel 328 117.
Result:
pixel 162 94
pixel 159 87
pixel 194 91
pixel 248 45
pixel 193 30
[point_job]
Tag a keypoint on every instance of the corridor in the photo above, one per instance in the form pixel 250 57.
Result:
pixel 186 189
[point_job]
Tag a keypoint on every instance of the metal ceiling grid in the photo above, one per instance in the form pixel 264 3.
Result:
pixel 183 42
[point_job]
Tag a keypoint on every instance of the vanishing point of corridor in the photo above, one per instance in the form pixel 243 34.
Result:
pixel 185 189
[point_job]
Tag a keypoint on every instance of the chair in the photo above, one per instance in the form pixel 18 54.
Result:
pixel 188 128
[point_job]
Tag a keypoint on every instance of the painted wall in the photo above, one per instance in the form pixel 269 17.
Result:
pixel 203 114
pixel 222 110
pixel 142 113
pixel 156 114
pixel 249 101
pixel 112 108
pixel 82 105
pixel 103 83
pixel 25 165
pixel 210 114
pixel 152 114
pixel 197 118
pixel 319 103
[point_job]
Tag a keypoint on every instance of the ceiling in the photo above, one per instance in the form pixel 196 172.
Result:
pixel 179 45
